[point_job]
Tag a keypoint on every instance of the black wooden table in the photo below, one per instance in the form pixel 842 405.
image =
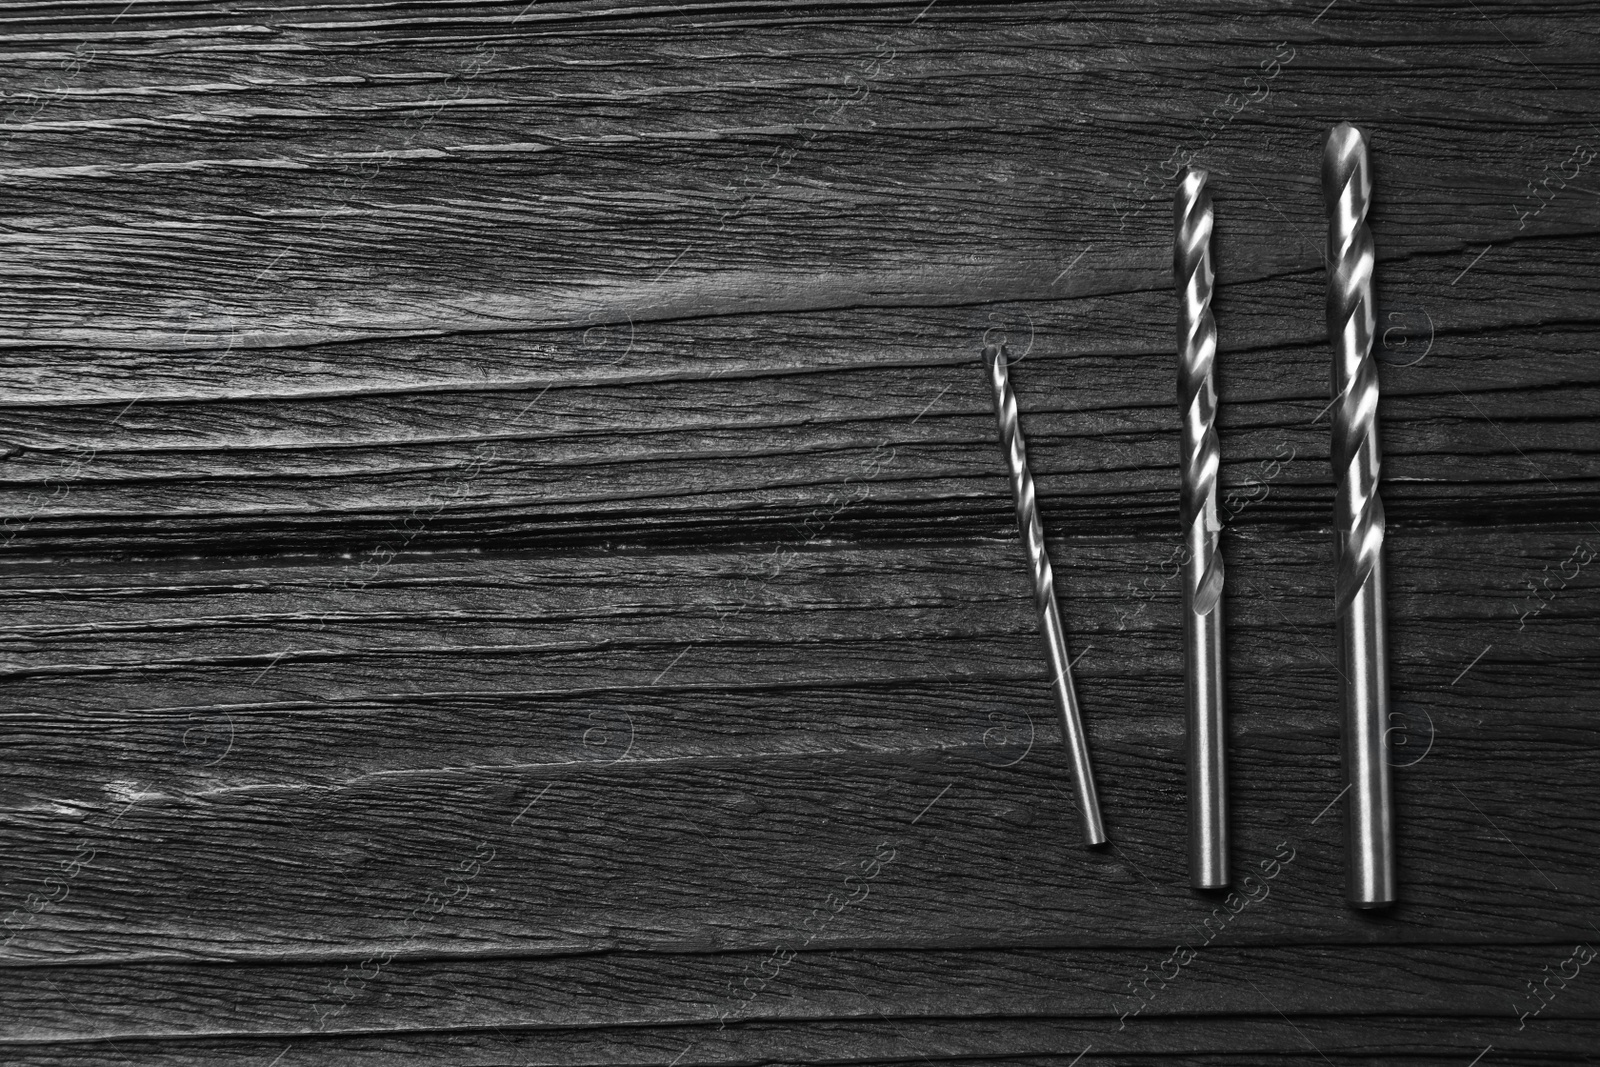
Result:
pixel 507 559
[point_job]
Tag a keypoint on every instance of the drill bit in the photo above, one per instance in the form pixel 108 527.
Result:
pixel 1044 594
pixel 1202 567
pixel 1358 523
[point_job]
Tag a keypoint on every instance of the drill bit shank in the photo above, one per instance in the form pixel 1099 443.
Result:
pixel 1044 595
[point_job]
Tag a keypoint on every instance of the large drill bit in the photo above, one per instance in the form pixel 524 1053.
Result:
pixel 1044 594
pixel 1202 568
pixel 1358 523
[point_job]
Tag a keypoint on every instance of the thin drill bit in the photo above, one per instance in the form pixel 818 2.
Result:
pixel 1044 594
pixel 1358 523
pixel 1202 568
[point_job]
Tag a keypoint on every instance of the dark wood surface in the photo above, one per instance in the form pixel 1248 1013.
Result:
pixel 504 536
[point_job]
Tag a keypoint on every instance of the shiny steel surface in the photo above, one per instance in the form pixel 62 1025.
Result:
pixel 1044 594
pixel 1205 728
pixel 1358 523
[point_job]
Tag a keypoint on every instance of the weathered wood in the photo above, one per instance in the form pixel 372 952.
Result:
pixel 770 729
pixel 591 451
pixel 1251 1040
pixel 465 173
pixel 530 462
pixel 737 989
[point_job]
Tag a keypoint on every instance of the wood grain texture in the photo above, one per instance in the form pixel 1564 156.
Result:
pixel 506 559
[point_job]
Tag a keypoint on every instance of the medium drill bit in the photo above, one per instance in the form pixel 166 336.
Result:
pixel 1044 594
pixel 1202 568
pixel 1358 523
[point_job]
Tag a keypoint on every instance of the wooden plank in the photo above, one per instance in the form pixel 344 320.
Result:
pixel 460 173
pixel 1265 1038
pixel 338 743
pixel 1119 989
pixel 872 447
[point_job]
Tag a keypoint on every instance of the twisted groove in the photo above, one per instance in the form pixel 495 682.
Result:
pixel 1201 457
pixel 1352 325
pixel 1016 455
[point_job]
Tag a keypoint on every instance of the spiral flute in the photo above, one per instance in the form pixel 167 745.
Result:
pixel 1358 523
pixel 1044 594
pixel 1202 569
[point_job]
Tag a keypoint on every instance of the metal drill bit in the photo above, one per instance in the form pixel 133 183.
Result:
pixel 1358 523
pixel 1202 568
pixel 1044 594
